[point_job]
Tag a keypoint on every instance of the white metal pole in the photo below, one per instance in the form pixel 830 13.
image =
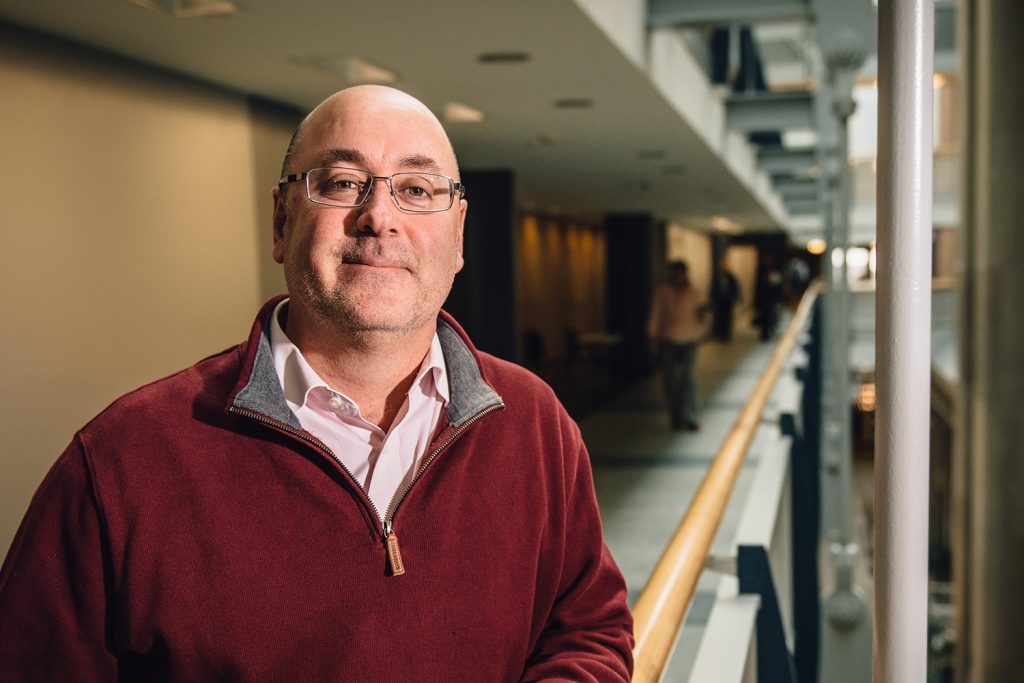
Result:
pixel 902 338
pixel 843 107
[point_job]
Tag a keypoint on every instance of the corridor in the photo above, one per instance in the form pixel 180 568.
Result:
pixel 645 474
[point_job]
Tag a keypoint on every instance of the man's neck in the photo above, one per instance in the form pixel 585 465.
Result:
pixel 375 368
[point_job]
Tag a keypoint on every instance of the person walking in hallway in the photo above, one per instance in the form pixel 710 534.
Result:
pixel 354 493
pixel 676 326
pixel 725 295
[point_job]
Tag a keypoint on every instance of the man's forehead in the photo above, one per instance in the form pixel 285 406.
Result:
pixel 398 130
pixel 335 156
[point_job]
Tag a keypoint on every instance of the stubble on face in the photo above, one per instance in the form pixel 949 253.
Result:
pixel 398 299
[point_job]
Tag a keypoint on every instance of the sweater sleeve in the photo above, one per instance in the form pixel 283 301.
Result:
pixel 589 633
pixel 53 584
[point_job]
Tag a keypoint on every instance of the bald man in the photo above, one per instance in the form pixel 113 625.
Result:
pixel 355 493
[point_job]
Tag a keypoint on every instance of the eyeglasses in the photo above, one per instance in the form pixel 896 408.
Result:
pixel 350 187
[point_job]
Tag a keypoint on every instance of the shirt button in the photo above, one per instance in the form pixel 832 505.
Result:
pixel 335 402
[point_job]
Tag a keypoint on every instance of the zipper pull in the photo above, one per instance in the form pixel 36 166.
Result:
pixel 394 553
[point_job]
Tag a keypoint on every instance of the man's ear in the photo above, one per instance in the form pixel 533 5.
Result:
pixel 460 262
pixel 280 220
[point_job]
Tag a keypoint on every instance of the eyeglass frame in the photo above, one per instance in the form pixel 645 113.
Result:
pixel 456 187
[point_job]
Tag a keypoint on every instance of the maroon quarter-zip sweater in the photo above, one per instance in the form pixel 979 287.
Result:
pixel 194 532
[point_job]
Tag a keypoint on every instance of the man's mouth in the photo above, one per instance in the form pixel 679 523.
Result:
pixel 372 258
pixel 373 262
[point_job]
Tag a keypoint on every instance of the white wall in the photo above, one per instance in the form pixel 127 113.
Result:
pixel 624 22
pixel 134 214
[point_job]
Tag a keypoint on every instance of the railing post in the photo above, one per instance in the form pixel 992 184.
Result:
pixel 805 485
pixel 903 338
pixel 754 570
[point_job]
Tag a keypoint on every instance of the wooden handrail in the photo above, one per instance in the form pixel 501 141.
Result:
pixel 661 607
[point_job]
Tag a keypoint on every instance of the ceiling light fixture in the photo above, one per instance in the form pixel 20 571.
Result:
pixel 355 70
pixel 503 57
pixel 457 112
pixel 723 224
pixel 816 246
pixel 188 9
pixel 574 103
pixel 360 71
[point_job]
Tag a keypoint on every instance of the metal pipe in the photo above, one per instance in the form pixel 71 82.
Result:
pixel 829 423
pixel 845 605
pixel 841 333
pixel 902 338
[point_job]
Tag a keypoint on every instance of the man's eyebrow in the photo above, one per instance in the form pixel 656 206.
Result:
pixel 420 162
pixel 333 156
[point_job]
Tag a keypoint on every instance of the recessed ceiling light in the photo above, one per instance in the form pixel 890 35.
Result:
pixel 817 246
pixel 457 112
pixel 355 70
pixel 358 70
pixel 185 9
pixel 574 103
pixel 723 224
pixel 503 57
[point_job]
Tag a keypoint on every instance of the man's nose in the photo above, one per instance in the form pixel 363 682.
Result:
pixel 376 214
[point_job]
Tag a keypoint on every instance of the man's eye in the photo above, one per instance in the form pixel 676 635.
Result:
pixel 341 185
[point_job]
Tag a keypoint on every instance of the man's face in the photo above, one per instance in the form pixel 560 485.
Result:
pixel 373 267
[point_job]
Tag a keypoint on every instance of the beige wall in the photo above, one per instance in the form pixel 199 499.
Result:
pixel 947 251
pixel 742 261
pixel 134 211
pixel 561 279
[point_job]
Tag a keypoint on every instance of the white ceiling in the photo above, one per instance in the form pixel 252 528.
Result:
pixel 572 159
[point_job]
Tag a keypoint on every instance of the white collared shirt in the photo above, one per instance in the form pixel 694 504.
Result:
pixel 382 462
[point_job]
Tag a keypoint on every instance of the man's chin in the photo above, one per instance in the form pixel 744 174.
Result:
pixel 374 320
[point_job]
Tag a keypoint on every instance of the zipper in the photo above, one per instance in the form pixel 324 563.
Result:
pixel 398 498
pixel 392 549
pixel 394 552
pixel 308 438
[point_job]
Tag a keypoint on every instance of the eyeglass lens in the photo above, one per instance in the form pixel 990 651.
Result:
pixel 350 187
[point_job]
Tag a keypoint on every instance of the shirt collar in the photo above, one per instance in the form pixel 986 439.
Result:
pixel 298 378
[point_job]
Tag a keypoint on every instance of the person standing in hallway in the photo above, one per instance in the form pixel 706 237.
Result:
pixel 241 518
pixel 675 327
pixel 725 295
pixel 768 295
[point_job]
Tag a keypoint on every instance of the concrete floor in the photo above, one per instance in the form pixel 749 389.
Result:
pixel 645 473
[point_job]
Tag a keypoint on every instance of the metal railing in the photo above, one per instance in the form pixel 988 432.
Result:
pixel 662 605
